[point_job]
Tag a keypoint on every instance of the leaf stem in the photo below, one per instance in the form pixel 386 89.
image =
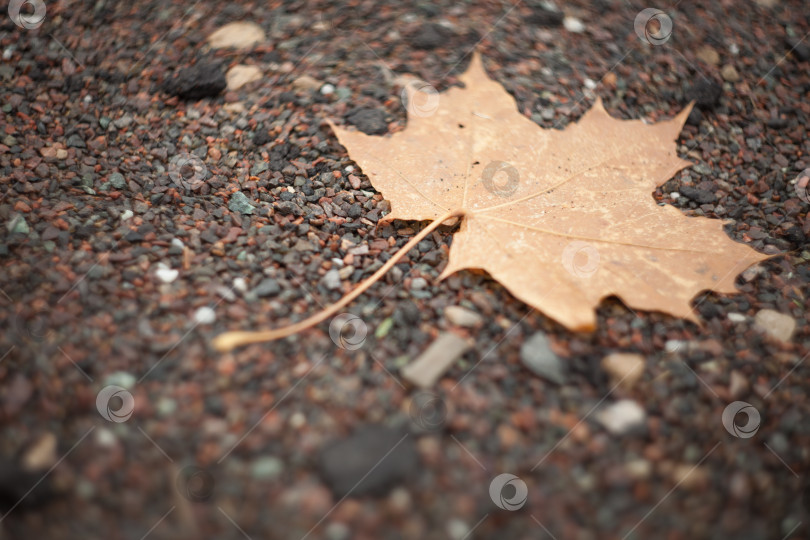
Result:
pixel 231 340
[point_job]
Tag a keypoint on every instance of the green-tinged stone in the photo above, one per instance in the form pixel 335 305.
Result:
pixel 383 328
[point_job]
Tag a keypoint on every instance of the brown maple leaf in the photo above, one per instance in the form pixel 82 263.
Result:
pixel 562 219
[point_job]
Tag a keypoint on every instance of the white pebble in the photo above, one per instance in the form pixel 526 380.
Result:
pixel 590 84
pixel 736 317
pixel 674 195
pixel 462 317
pixel 572 24
pixel 777 325
pixel 205 315
pixel 126 214
pixel 327 89
pixel 176 242
pixel 457 529
pixel 297 420
pixel 105 438
pixel 622 416
pixel 166 275
pixel 240 284
pixel 122 379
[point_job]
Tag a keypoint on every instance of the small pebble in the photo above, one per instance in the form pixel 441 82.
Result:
pixel 122 379
pixel 205 315
pixel 18 225
pixel 327 89
pixel 117 180
pixel 709 55
pixel 730 73
pixel 675 346
pixel 462 317
pixel 417 284
pixel 236 35
pixel 267 468
pixel 622 416
pixel 268 287
pixel 775 324
pixel 305 82
pixel 166 275
pixel 574 25
pixel 240 284
pixel 737 317
pixel 298 420
pixel 624 368
pixel 537 356
pixel 105 438
pixel 426 370
pixel 240 75
pixel 457 529
pixel 331 280
pixel 240 203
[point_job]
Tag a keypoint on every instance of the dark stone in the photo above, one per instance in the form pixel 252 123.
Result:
pixel 800 50
pixel 701 196
pixel 806 498
pixel 776 123
pixel 75 141
pixel 280 155
pixel 796 236
pixel 355 211
pixel 407 314
pixel 710 311
pixel 261 137
pixel 23 490
pixel 369 121
pixel 209 235
pixel 545 18
pixel 287 97
pixel 705 93
pixel 286 208
pixel 204 79
pixel 429 36
pixel 370 462
pixel 133 237
pixel 268 287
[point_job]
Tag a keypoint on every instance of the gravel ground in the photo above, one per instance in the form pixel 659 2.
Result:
pixel 146 210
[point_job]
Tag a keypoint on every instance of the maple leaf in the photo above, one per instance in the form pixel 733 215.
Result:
pixel 562 219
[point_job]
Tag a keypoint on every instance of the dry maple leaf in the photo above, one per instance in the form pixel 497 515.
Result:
pixel 562 219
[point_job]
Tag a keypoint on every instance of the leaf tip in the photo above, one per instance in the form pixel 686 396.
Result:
pixel 680 118
pixel 475 70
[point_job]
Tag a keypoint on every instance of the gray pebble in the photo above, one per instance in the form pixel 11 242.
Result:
pixel 240 203
pixel 268 287
pixel 538 357
pixel 332 280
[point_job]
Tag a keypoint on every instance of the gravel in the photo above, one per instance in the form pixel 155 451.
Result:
pixel 88 137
